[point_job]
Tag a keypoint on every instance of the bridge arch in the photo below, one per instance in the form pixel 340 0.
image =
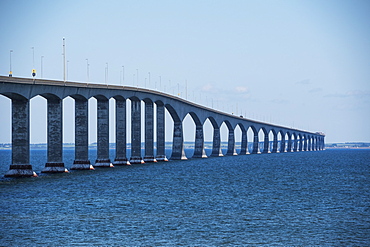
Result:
pixel 178 152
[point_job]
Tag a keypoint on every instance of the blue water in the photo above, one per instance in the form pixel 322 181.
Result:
pixel 307 198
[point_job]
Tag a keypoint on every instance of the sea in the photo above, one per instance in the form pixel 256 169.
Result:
pixel 319 198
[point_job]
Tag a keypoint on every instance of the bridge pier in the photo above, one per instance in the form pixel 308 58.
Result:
pixel 216 145
pixel 275 143
pixel 178 152
pixel 199 151
pixel 305 144
pixel 282 143
pixel 81 161
pixel 256 149
pixel 55 137
pixel 20 166
pixel 231 143
pixel 244 144
pixel 103 133
pixel 161 155
pixel 266 143
pixel 121 157
pixel 300 146
pixel 136 132
pixel 149 132
pixel 295 144
pixel 289 149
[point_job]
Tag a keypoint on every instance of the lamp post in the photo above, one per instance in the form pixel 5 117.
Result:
pixel 10 69
pixel 33 62
pixel 64 59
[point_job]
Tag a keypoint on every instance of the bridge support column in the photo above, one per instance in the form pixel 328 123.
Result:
pixel 275 143
pixel 178 152
pixel 20 166
pixel 289 149
pixel 81 161
pixel 295 144
pixel 282 144
pixel 216 146
pixel 244 144
pixel 231 143
pixel 199 151
pixel 161 155
pixel 136 132
pixel 256 149
pixel 300 146
pixel 309 146
pixel 323 143
pixel 121 157
pixel 305 144
pixel 266 143
pixel 149 132
pixel 55 137
pixel 103 133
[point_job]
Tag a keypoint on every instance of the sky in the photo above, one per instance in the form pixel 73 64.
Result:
pixel 296 63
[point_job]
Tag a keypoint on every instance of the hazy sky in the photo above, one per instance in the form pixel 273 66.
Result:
pixel 304 64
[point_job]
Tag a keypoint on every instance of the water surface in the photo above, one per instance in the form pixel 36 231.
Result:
pixel 305 198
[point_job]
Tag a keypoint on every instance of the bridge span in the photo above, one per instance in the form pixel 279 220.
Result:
pixel 22 90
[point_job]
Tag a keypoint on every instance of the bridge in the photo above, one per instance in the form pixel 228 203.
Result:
pixel 21 90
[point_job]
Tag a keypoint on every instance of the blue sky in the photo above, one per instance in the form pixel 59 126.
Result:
pixel 303 64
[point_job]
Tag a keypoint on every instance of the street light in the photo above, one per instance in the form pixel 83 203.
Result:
pixel 33 62
pixel 10 69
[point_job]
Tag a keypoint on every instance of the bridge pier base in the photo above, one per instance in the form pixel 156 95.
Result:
pixel 103 163
pixel 54 167
pixel 20 170
pixel 82 165
pixel 121 162
pixel 20 166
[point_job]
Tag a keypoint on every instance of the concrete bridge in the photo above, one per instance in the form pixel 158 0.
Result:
pixel 21 90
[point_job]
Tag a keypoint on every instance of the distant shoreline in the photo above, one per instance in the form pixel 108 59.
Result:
pixel 347 147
